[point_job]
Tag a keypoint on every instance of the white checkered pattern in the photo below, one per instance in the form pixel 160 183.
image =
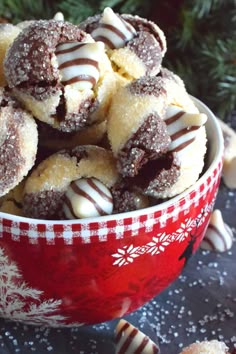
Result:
pixel 101 231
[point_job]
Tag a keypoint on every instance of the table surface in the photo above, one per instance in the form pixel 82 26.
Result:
pixel 199 305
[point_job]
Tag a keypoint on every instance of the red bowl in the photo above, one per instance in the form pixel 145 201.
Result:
pixel 60 273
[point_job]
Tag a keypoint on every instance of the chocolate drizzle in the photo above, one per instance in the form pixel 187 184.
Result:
pixel 147 41
pixel 78 63
pixel 29 60
pixel 105 39
pixel 112 30
pixel 129 339
pixel 182 127
pixel 87 197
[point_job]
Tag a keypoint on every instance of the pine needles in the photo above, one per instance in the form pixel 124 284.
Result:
pixel 202 50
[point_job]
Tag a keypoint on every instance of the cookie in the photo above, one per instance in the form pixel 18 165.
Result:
pixel 206 347
pixel 46 187
pixel 135 45
pixel 18 142
pixel 187 151
pixel 177 94
pixel 159 147
pixel 11 203
pixel 60 74
pixel 135 127
pixel 8 33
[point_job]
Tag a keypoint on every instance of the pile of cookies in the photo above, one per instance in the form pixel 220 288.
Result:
pixel 91 123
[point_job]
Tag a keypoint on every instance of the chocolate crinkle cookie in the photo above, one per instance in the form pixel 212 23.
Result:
pixel 18 142
pixel 53 187
pixel 135 45
pixel 57 71
pixel 159 140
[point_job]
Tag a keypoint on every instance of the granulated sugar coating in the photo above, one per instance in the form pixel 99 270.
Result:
pixel 200 305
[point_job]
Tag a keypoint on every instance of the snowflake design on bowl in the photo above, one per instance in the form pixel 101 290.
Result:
pixel 184 230
pixel 22 303
pixel 126 255
pixel 158 244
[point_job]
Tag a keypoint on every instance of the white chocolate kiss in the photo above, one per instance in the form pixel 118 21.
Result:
pixel 182 126
pixel 78 63
pixel 112 30
pixel 130 340
pixel 229 173
pixel 87 197
pixel 219 236
pixel 59 17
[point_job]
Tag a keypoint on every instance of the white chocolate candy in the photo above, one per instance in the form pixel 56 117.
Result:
pixel 229 173
pixel 182 127
pixel 113 30
pixel 59 16
pixel 130 340
pixel 87 197
pixel 219 236
pixel 229 166
pixel 78 63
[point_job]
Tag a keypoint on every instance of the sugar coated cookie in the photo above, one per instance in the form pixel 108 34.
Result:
pixel 18 142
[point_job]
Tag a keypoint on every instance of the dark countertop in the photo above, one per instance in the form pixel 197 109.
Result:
pixel 200 304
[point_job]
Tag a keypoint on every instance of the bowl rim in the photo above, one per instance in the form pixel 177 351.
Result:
pixel 149 210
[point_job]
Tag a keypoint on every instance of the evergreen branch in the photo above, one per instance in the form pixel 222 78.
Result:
pixel 138 7
pixel 76 12
pixel 109 3
pixel 219 56
pixel 187 29
pixel 226 95
pixel 202 9
pixel 18 11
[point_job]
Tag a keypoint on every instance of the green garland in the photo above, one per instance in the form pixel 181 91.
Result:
pixel 201 37
pixel 202 50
